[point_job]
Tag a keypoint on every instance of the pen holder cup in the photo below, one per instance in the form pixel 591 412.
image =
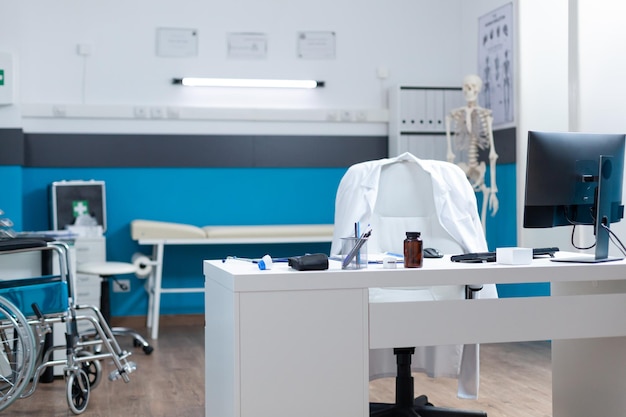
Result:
pixel 359 261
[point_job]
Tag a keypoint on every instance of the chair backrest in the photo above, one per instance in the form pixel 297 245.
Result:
pixel 406 202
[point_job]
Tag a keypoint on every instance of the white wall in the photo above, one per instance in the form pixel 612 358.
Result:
pixel 9 27
pixel 543 91
pixel 417 41
pixel 472 11
pixel 602 69
pixel 572 79
pixel 602 65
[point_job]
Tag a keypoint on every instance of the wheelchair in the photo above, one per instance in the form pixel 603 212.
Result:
pixel 29 307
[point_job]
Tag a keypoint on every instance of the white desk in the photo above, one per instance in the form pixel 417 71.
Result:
pixel 285 343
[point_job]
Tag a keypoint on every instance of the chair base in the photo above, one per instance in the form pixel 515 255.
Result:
pixel 421 408
pixel 408 406
pixel 138 340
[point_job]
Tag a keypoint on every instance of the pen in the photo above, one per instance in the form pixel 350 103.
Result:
pixel 357 247
pixel 357 232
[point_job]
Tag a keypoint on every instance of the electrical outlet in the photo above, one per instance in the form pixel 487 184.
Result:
pixel 332 116
pixel 157 113
pixel 84 49
pixel 140 112
pixel 346 116
pixel 121 285
pixel 59 110
pixel 173 113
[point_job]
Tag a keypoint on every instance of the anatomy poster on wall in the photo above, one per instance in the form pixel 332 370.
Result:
pixel 495 63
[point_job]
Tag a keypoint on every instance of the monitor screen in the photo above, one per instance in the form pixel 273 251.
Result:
pixel 564 173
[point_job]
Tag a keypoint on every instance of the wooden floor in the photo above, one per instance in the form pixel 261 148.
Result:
pixel 515 382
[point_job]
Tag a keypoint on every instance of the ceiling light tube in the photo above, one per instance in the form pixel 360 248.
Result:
pixel 242 82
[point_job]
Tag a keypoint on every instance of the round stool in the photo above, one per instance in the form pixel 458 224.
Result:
pixel 108 270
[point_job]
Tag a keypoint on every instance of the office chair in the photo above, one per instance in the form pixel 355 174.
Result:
pixel 406 194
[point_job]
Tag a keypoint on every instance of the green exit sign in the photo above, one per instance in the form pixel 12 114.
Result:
pixel 1 77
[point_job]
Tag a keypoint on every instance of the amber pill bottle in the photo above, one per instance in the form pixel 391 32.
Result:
pixel 413 250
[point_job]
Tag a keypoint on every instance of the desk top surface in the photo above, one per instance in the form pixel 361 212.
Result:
pixel 241 276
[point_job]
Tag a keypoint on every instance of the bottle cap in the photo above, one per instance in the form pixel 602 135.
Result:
pixel 413 235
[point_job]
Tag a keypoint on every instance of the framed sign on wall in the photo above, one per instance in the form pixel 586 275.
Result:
pixel 495 63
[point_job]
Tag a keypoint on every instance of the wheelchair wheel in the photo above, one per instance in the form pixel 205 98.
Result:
pixel 93 369
pixel 17 353
pixel 77 390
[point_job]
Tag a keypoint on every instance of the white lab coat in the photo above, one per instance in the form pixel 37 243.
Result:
pixel 454 199
pixel 456 208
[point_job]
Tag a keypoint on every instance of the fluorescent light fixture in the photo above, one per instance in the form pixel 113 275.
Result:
pixel 242 82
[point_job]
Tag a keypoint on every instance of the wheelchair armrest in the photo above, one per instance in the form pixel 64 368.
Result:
pixel 18 243
pixel 24 282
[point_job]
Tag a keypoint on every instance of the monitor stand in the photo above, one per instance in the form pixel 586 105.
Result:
pixel 587 259
pixel 603 216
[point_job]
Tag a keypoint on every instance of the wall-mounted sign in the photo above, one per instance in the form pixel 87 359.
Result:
pixel 6 78
pixel 176 43
pixel 247 45
pixel 316 45
pixel 495 63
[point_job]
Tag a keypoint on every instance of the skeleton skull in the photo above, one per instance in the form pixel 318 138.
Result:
pixel 472 84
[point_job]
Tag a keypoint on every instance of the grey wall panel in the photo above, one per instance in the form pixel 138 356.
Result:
pixel 11 147
pixel 318 151
pixel 90 150
pixel 112 150
pixel 505 146
pixel 109 150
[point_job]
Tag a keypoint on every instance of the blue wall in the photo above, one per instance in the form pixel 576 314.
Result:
pixel 217 196
pixel 10 193
pixel 502 230
pixel 199 196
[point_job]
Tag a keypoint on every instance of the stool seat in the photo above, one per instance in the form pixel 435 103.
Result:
pixel 106 268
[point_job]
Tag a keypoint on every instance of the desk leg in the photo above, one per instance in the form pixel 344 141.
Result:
pixel 299 346
pixel 149 286
pixel 589 375
pixel 154 290
pixel 220 342
pixel 286 353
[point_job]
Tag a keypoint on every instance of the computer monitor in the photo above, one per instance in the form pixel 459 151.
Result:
pixel 575 179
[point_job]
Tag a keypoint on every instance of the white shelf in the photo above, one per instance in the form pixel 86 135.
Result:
pixel 417 119
pixel 166 112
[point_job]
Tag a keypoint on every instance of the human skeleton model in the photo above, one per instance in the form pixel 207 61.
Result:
pixel 472 132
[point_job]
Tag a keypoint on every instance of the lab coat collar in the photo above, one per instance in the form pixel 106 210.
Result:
pixel 370 182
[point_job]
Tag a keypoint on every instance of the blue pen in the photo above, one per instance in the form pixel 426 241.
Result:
pixel 357 233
